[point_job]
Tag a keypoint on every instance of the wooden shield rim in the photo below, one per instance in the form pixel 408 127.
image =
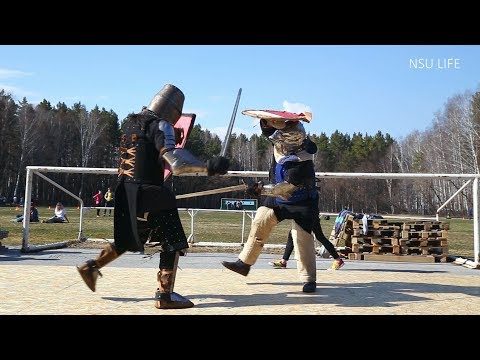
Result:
pixel 307 116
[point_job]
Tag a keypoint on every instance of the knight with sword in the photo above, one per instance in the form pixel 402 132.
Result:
pixel 145 209
pixel 291 194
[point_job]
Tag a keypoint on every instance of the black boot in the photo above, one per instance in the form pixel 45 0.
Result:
pixel 309 287
pixel 238 266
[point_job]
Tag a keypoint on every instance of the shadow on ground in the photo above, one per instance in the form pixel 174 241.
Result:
pixel 45 255
pixel 374 294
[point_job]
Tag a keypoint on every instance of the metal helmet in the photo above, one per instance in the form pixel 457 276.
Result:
pixel 168 103
pixel 290 139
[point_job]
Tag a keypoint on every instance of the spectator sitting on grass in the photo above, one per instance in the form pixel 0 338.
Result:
pixel 33 214
pixel 60 215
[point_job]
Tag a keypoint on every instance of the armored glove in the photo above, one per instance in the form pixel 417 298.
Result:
pixel 254 188
pixel 217 166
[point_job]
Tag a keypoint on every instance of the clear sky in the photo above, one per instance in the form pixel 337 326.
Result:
pixel 350 88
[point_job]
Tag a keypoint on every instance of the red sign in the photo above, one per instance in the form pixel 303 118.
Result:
pixel 182 128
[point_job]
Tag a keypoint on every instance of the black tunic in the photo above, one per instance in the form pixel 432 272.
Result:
pixel 140 189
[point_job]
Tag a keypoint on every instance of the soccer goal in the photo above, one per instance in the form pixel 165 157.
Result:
pixel 81 235
pixel 470 179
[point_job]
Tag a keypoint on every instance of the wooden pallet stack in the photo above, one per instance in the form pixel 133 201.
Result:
pixel 382 237
pixel 424 238
pixel 394 240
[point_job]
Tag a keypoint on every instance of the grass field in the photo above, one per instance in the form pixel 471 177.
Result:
pixel 209 226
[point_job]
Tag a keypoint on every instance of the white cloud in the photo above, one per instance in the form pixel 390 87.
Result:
pixel 8 73
pixel 16 92
pixel 295 107
pixel 8 88
pixel 222 131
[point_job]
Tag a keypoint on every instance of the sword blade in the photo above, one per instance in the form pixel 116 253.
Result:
pixel 213 191
pixel 230 125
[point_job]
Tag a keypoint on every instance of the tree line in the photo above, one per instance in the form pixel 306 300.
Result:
pixel 74 136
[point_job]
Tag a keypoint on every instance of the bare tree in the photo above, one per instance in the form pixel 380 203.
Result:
pixel 27 127
pixel 9 144
pixel 90 128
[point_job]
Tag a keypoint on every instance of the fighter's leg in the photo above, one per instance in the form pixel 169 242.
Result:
pixel 288 247
pixel 304 244
pixel 168 232
pixel 317 230
pixel 90 270
pixel 165 297
pixel 262 226
pixel 282 263
pixel 327 246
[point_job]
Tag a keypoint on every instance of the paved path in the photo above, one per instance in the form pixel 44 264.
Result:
pixel 48 283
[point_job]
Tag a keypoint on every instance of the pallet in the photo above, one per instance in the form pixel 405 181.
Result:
pixel 382 223
pixel 375 240
pixel 376 249
pixel 378 232
pixel 424 234
pixel 355 256
pixel 432 242
pixel 427 226
pixel 424 250
pixel 400 258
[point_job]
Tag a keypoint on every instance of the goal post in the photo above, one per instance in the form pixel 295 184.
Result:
pixel 41 170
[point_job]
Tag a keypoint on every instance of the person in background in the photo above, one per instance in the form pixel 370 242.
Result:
pixel 108 202
pixel 317 231
pixel 60 215
pixel 33 214
pixel 97 198
pixel 470 213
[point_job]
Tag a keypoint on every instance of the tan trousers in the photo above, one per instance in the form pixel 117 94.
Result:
pixel 304 245
pixel 262 226
pixel 303 242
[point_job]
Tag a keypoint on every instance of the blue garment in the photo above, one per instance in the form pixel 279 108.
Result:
pixel 299 172
pixel 34 215
pixel 340 219
pixel 307 189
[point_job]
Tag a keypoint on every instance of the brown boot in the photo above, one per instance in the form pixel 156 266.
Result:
pixel 91 269
pixel 165 298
